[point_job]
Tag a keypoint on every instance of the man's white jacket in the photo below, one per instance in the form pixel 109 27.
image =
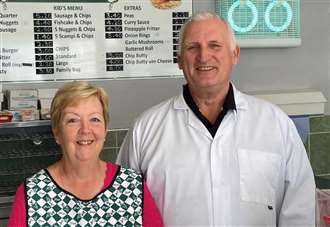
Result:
pixel 254 172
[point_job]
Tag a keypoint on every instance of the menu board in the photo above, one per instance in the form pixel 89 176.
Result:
pixel 84 40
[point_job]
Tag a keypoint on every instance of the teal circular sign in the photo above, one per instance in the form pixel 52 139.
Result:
pixel 254 19
pixel 287 21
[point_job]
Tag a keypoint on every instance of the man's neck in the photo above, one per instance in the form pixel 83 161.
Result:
pixel 210 103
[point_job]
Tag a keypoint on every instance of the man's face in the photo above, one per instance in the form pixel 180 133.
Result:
pixel 207 55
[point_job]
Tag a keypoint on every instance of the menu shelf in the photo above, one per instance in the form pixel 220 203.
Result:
pixel 21 124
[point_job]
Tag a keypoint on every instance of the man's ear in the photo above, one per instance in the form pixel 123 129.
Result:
pixel 179 61
pixel 236 54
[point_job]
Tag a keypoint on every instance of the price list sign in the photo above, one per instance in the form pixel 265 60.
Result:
pixel 44 41
pixel 113 25
pixel 178 19
pixel 115 61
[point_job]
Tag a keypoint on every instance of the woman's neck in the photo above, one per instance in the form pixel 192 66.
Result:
pixel 84 180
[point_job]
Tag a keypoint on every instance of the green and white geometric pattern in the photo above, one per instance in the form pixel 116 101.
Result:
pixel 119 205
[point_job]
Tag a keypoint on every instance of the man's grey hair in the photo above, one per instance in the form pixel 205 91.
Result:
pixel 204 16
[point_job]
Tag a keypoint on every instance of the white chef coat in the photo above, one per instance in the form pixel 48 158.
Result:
pixel 254 172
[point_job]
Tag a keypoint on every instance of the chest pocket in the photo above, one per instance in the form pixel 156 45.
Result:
pixel 259 173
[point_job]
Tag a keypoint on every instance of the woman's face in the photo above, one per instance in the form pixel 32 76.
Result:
pixel 82 130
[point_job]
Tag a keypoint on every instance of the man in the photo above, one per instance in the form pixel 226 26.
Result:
pixel 213 156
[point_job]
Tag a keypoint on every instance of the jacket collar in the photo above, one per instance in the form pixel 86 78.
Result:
pixel 240 102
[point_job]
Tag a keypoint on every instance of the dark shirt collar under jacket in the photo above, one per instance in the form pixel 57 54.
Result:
pixel 229 104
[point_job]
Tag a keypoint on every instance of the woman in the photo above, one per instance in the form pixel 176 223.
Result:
pixel 81 189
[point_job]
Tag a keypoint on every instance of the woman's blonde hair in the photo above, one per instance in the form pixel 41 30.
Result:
pixel 73 92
